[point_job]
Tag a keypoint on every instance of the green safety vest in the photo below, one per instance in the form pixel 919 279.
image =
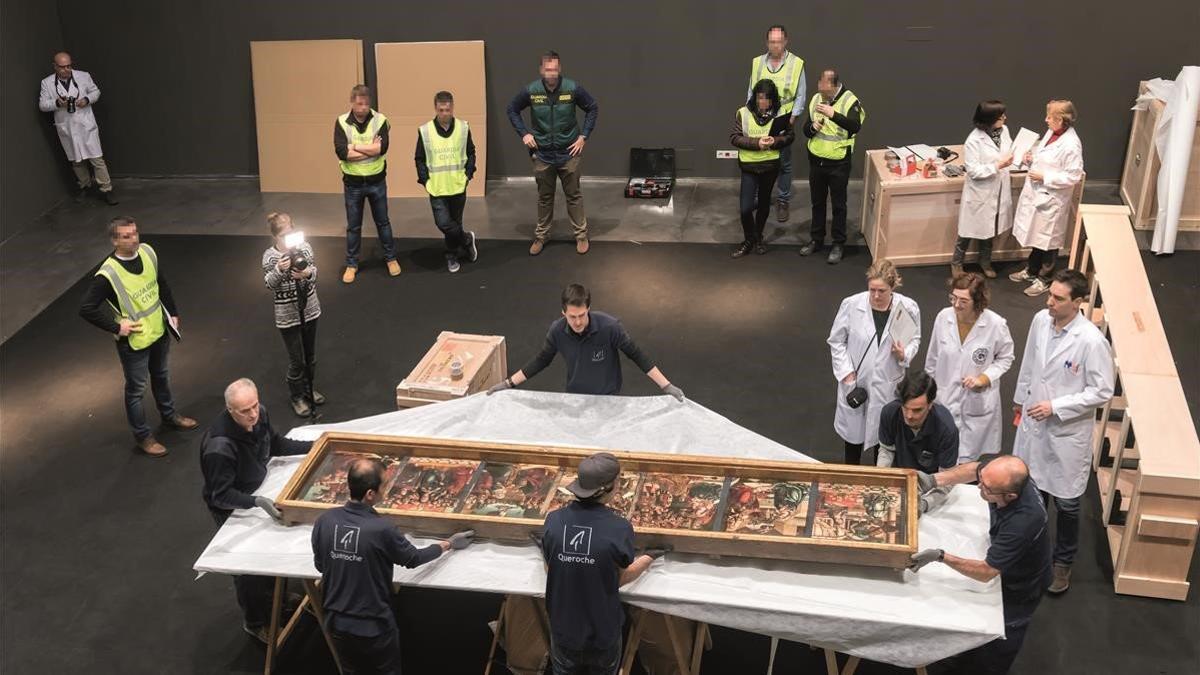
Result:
pixel 137 295
pixel 751 128
pixel 446 158
pixel 832 141
pixel 368 166
pixel 552 116
pixel 786 79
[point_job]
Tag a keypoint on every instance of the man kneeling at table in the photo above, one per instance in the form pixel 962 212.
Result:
pixel 1019 552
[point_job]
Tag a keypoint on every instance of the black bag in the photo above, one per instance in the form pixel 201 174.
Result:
pixel 858 395
pixel 651 173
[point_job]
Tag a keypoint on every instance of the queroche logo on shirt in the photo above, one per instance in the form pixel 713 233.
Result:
pixel 577 545
pixel 598 355
pixel 345 543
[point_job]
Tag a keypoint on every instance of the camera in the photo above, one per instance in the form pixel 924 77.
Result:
pixel 292 241
pixel 71 104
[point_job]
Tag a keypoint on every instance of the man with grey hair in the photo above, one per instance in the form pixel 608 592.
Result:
pixel 233 458
pixel 70 94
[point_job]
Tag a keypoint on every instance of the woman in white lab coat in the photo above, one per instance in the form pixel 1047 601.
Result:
pixel 1044 208
pixel 866 353
pixel 969 350
pixel 985 209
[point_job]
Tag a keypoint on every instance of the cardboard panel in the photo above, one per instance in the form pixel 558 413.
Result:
pixel 408 74
pixel 300 87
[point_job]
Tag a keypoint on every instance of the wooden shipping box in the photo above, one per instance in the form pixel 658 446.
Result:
pixel 914 221
pixel 849 542
pixel 484 360
pixel 1139 178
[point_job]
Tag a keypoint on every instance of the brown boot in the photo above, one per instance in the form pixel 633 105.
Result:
pixel 182 423
pixel 1062 579
pixel 581 246
pixel 152 447
pixel 537 246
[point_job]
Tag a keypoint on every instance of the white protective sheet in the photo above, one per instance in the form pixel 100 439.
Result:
pixel 1173 140
pixel 894 617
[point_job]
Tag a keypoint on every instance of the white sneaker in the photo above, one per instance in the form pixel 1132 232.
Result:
pixel 1037 288
pixel 474 250
pixel 1020 276
pixel 452 265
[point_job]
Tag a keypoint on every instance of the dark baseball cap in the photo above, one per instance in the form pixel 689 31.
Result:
pixel 595 473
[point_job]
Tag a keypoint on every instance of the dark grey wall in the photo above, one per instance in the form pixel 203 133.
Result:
pixel 178 95
pixel 34 172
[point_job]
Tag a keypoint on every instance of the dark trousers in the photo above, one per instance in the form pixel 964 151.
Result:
pixel 963 243
pixel 755 203
pixel 594 661
pixel 448 215
pixel 301 344
pixel 1066 528
pixel 140 365
pixel 997 656
pixel 854 452
pixel 1041 263
pixel 375 194
pixel 254 593
pixel 379 655
pixel 546 176
pixel 828 180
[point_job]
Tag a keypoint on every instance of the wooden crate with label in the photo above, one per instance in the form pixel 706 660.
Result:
pixel 457 365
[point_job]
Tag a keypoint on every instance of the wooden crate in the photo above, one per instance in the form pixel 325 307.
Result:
pixel 484 359
pixel 730 473
pixel 1139 177
pixel 914 220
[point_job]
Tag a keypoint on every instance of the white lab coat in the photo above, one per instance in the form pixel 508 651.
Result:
pixel 987 191
pixel 853 333
pixel 1074 371
pixel 1044 208
pixel 78 133
pixel 988 350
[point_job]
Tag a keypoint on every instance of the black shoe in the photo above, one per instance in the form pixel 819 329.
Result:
pixel 80 195
pixel 760 248
pixel 835 255
pixel 810 248
pixel 742 249
pixel 110 198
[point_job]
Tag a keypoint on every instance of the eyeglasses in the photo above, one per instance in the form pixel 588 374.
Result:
pixel 957 301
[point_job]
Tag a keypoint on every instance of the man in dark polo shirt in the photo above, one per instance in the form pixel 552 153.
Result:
pixel 588 549
pixel 589 342
pixel 916 432
pixel 354 549
pixel 1020 551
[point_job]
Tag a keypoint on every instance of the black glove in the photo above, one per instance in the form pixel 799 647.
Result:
pixel 672 390
pixel 925 482
pixel 461 540
pixel 268 506
pixel 500 386
pixel 923 558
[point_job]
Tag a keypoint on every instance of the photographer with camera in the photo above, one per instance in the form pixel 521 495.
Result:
pixel 70 95
pixel 290 270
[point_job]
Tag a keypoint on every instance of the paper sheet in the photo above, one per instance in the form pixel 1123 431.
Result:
pixel 1023 143
pixel 894 617
pixel 904 327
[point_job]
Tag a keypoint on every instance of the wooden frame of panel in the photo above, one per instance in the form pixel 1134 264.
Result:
pixel 895 556
pixel 425 384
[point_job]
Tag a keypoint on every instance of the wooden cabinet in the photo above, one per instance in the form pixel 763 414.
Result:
pixel 708 505
pixel 482 360
pixel 914 220
pixel 1139 177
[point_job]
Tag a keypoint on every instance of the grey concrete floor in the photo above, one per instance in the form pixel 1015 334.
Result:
pixel 701 211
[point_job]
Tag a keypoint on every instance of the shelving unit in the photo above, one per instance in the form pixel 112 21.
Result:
pixel 1145 447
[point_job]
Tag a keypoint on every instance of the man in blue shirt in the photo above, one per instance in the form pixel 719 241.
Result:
pixel 589 342
pixel 588 549
pixel 917 432
pixel 1020 551
pixel 355 549
pixel 555 144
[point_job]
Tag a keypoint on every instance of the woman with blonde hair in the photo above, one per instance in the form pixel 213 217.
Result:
pixel 867 361
pixel 1044 208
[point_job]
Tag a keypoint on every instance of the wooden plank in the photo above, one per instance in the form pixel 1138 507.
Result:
pixel 1168 527
pixel 1166 438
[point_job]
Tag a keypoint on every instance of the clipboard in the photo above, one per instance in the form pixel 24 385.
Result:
pixel 904 326
pixel 172 326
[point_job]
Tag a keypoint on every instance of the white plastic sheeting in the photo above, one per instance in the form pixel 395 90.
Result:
pixel 894 617
pixel 1173 137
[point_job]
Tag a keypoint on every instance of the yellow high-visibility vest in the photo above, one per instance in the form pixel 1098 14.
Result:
pixel 137 296
pixel 751 128
pixel 446 158
pixel 832 141
pixel 367 166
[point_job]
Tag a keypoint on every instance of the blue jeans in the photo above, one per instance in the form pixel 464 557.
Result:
pixel 785 175
pixel 140 365
pixel 376 196
pixel 591 662
pixel 1066 528
pixel 448 215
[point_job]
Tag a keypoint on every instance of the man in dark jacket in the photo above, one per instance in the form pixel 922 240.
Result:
pixel 834 117
pixel 233 457
pixel 589 342
pixel 555 144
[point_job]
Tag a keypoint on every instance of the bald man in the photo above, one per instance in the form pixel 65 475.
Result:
pixel 1019 552
pixel 70 95
pixel 233 457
